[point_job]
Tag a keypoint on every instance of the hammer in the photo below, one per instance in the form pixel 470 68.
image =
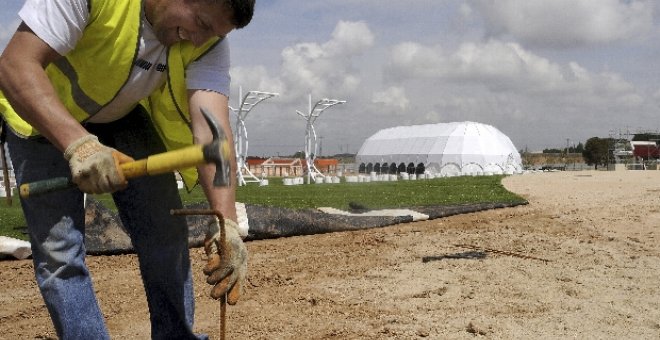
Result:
pixel 217 151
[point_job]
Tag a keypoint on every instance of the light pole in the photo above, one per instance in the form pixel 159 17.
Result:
pixel 568 140
pixel 310 134
pixel 247 103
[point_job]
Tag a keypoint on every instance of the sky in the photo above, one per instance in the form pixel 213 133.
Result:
pixel 545 73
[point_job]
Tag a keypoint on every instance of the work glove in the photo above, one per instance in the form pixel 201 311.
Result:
pixel 94 166
pixel 226 266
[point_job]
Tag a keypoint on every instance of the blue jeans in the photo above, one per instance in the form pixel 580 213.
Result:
pixel 56 226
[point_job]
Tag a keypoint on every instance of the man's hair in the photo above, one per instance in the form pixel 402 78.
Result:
pixel 243 11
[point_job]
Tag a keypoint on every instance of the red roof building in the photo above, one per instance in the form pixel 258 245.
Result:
pixel 288 167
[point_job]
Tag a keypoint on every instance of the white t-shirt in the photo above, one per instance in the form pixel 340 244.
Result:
pixel 60 24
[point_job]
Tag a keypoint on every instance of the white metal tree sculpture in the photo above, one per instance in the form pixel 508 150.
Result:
pixel 247 103
pixel 310 134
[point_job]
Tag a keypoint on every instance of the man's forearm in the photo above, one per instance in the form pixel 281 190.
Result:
pixel 220 198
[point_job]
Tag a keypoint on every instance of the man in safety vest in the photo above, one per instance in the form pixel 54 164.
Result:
pixel 90 84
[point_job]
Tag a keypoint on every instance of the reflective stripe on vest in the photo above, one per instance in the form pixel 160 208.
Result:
pixel 79 96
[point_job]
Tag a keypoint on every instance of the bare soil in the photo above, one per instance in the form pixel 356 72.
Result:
pixel 581 261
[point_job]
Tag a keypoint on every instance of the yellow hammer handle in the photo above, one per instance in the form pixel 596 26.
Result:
pixel 165 162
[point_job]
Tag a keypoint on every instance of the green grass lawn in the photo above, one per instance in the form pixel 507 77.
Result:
pixel 456 190
pixel 373 195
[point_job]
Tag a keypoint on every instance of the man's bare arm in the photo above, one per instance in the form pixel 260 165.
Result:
pixel 28 89
pixel 221 198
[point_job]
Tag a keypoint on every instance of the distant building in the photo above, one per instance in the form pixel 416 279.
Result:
pixel 326 165
pixel 288 167
pixel 645 146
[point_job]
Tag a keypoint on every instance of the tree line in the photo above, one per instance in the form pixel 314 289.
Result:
pixel 571 149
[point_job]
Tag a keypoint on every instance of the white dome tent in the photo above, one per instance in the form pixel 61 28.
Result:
pixel 445 149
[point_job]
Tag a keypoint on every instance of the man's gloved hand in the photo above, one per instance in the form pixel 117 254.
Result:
pixel 94 166
pixel 226 274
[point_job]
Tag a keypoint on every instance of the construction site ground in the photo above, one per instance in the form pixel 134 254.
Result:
pixel 580 261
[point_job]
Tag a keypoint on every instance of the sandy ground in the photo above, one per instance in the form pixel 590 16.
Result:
pixel 583 264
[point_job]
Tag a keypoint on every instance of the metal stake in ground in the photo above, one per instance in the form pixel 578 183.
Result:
pixel 221 220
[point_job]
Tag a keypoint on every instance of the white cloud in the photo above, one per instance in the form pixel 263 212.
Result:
pixel 326 69
pixel 321 69
pixel 531 98
pixel 257 78
pixel 349 38
pixel 394 96
pixel 499 67
pixel 566 23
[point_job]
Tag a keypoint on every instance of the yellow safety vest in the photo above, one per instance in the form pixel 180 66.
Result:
pixel 93 73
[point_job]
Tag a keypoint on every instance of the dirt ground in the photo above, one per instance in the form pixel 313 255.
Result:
pixel 583 262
